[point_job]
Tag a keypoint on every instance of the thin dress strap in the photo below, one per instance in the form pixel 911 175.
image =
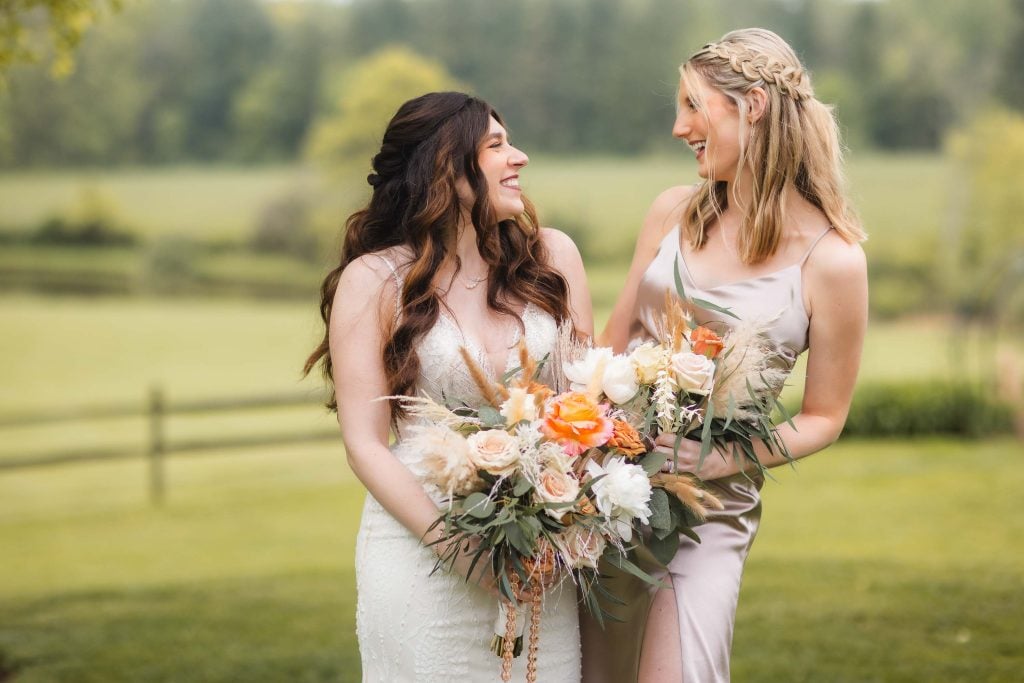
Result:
pixel 814 244
pixel 398 284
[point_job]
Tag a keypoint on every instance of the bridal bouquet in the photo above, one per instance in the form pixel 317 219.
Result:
pixel 537 485
pixel 718 389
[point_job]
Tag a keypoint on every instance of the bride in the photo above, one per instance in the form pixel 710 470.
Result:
pixel 446 255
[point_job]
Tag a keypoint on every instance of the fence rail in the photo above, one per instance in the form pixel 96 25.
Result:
pixel 156 409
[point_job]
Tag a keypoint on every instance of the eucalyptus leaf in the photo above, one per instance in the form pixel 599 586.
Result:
pixel 661 517
pixel 652 462
pixel 664 549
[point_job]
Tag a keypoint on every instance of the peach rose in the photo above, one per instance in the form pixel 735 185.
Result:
pixel 705 342
pixel 577 422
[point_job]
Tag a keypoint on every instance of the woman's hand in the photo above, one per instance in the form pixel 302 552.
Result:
pixel 482 575
pixel 716 464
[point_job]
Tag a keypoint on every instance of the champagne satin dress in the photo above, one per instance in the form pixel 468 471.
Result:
pixel 705 576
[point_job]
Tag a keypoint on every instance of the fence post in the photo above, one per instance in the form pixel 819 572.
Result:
pixel 156 445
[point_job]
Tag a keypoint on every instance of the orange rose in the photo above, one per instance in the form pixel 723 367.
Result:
pixel 705 342
pixel 577 422
pixel 626 439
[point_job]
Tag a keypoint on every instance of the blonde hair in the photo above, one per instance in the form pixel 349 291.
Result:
pixel 795 143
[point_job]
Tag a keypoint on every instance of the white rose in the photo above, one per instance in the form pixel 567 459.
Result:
pixel 444 459
pixel 622 495
pixel 580 547
pixel 495 451
pixel 620 382
pixel 582 372
pixel 693 373
pixel 555 486
pixel 647 359
pixel 518 406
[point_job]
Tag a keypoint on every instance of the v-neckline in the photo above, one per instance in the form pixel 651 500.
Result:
pixel 480 350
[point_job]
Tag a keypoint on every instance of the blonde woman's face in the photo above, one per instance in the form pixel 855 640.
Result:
pixel 709 122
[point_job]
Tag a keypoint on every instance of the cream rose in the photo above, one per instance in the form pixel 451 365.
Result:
pixel 620 381
pixel 693 373
pixel 495 451
pixel 518 406
pixel 647 359
pixel 556 486
pixel 581 373
pixel 580 547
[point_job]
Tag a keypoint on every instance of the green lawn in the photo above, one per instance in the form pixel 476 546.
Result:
pixel 877 561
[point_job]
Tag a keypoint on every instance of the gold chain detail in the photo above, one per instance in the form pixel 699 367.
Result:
pixel 531 658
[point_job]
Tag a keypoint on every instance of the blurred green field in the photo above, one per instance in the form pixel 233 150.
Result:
pixel 877 561
pixel 600 200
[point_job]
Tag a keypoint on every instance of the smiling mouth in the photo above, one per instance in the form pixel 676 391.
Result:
pixel 698 146
pixel 511 183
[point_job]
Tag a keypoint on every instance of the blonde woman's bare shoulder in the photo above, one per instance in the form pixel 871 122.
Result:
pixel 665 212
pixel 834 261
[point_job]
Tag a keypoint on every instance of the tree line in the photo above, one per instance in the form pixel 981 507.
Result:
pixel 248 80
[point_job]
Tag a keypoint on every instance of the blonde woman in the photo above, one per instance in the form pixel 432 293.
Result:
pixel 769 234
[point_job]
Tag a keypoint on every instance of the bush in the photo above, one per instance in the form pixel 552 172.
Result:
pixel 284 227
pixel 927 408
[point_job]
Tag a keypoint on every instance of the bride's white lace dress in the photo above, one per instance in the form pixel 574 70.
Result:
pixel 416 626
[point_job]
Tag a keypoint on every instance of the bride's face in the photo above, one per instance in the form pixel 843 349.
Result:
pixel 500 164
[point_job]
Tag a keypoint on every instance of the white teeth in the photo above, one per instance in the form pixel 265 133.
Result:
pixel 511 182
pixel 697 147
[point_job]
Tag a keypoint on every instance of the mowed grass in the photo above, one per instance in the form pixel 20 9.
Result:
pixel 876 561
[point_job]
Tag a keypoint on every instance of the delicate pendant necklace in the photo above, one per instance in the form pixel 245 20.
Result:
pixel 471 283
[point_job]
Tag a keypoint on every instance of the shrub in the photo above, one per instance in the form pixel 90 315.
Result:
pixel 927 408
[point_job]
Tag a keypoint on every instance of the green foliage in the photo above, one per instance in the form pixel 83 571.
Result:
pixel 928 408
pixel 370 95
pixel 65 21
pixel 284 227
pixel 990 253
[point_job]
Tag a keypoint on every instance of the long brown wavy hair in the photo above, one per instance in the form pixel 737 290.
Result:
pixel 432 141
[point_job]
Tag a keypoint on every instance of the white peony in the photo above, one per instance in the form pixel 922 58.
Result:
pixel 622 495
pixel 444 459
pixel 583 372
pixel 518 406
pixel 693 373
pixel 647 359
pixel 495 451
pixel 620 379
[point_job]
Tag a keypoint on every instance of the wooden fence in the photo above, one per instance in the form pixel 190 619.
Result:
pixel 156 410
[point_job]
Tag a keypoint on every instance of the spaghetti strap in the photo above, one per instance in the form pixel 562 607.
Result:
pixel 817 239
pixel 398 284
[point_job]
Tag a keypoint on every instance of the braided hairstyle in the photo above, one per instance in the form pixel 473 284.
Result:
pixel 795 143
pixel 430 143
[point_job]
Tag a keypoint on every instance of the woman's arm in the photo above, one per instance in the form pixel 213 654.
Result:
pixel 663 214
pixel 365 298
pixel 836 282
pixel 565 258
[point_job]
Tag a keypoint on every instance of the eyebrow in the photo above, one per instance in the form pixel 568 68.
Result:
pixel 493 136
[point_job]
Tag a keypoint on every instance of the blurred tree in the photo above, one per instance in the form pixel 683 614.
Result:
pixel 22 22
pixel 1010 85
pixel 990 243
pixel 273 112
pixel 370 95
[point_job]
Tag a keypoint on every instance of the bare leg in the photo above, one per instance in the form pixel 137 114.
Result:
pixel 660 658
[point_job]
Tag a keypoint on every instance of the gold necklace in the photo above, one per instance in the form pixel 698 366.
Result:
pixel 472 282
